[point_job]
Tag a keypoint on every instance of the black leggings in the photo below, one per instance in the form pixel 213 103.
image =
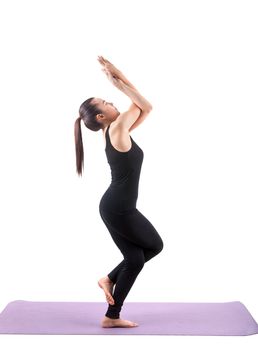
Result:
pixel 138 241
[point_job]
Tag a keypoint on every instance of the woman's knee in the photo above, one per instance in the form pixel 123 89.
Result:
pixel 159 246
pixel 135 263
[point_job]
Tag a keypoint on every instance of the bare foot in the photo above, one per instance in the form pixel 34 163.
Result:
pixel 117 322
pixel 106 284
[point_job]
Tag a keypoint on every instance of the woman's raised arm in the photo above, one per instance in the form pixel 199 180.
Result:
pixel 124 85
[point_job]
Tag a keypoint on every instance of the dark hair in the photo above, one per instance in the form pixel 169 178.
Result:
pixel 87 113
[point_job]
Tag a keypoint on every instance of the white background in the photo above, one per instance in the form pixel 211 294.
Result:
pixel 196 62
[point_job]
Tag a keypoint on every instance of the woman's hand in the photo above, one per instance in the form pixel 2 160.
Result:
pixel 113 70
pixel 114 79
pixel 108 65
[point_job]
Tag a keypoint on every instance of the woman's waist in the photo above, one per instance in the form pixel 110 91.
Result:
pixel 129 191
pixel 115 199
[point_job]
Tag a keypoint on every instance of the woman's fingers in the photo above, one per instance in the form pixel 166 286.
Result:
pixel 104 59
pixel 107 65
pixel 101 60
pixel 110 73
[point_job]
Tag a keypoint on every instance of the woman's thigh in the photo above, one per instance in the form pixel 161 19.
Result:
pixel 135 227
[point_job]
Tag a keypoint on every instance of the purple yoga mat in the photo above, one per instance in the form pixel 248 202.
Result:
pixel 154 318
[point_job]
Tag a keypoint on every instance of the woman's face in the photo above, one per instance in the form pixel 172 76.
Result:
pixel 108 109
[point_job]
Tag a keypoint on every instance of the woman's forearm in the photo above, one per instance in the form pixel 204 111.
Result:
pixel 124 79
pixel 136 97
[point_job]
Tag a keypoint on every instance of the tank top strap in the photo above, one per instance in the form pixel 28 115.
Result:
pixel 107 136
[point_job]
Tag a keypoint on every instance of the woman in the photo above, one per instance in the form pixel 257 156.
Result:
pixel 134 235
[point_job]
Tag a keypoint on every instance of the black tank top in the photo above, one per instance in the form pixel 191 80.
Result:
pixel 122 193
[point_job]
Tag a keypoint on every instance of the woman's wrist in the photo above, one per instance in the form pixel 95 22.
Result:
pixel 122 77
pixel 136 97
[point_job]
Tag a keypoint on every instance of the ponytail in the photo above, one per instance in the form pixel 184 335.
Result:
pixel 87 113
pixel 78 146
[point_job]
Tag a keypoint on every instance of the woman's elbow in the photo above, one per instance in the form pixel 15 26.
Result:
pixel 148 108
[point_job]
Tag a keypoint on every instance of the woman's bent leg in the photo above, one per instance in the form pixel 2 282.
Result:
pixel 139 242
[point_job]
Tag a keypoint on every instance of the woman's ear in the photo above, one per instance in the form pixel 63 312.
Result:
pixel 99 117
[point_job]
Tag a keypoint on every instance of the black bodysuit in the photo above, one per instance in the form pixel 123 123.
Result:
pixel 132 232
